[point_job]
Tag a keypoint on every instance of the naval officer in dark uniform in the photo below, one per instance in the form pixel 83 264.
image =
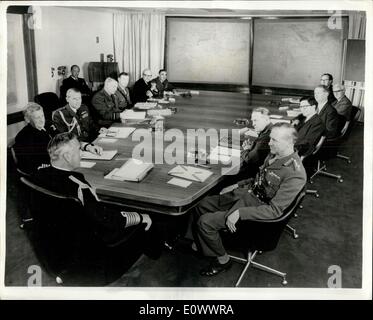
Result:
pixel 280 179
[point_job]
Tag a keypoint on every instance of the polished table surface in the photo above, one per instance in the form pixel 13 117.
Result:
pixel 153 194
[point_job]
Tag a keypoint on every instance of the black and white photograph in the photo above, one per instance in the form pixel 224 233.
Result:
pixel 186 150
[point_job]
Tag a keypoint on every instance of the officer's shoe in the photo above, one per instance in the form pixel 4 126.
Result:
pixel 215 268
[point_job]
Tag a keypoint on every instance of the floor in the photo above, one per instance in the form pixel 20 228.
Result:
pixel 329 227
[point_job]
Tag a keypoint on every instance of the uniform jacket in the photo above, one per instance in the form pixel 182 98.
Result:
pixel 109 223
pixel 79 122
pixel 79 84
pixel 259 150
pixel 278 184
pixel 124 99
pixel 163 86
pixel 309 134
pixel 106 107
pixel 343 107
pixel 139 91
pixel 331 120
pixel 31 148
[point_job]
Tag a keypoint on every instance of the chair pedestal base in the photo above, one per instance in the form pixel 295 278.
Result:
pixel 249 261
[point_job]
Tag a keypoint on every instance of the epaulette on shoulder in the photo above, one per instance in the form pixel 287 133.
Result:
pixel 293 162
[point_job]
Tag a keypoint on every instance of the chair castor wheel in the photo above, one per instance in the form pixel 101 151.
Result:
pixel 300 207
pixel 349 161
pixel 284 282
pixel 311 181
pixel 317 195
pixel 340 180
pixel 59 280
pixel 295 236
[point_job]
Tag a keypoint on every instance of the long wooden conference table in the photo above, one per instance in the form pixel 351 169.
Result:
pixel 206 110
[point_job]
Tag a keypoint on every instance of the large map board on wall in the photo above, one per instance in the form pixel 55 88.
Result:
pixel 208 50
pixel 293 53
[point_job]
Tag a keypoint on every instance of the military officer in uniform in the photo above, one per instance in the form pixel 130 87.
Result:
pixel 76 118
pixel 280 179
pixel 110 223
pixel 106 104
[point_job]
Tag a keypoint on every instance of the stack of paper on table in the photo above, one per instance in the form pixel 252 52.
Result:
pixel 106 155
pixel 159 112
pixel 130 114
pixel 190 173
pixel 146 105
pixel 118 132
pixel 223 154
pixel 132 170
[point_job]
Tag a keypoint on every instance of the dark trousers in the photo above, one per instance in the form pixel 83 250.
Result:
pixel 210 218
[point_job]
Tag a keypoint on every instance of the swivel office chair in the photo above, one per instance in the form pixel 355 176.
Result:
pixel 262 235
pixel 67 243
pixel 346 131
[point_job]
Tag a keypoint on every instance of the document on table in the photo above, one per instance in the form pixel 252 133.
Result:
pixel 107 140
pixel 180 182
pixel 87 164
pixel 223 154
pixel 116 132
pixel 106 155
pixel 190 173
pixel 130 114
pixel 146 105
pixel 132 170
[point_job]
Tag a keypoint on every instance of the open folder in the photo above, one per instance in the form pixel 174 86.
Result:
pixel 132 170
pixel 190 173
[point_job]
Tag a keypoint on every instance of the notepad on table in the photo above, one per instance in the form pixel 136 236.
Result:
pixel 190 173
pixel 132 170
pixel 159 112
pixel 106 155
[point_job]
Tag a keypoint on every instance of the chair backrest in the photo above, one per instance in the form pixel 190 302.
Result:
pixel 49 101
pixel 263 235
pixel 61 228
pixel 16 163
pixel 319 145
pixel 355 114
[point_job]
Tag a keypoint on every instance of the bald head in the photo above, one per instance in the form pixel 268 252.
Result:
pixel 338 91
pixel 147 75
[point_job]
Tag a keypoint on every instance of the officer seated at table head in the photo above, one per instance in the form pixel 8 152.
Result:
pixel 280 179
pixel 60 177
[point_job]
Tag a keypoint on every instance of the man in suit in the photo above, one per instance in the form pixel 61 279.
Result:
pixel 31 142
pixel 343 105
pixel 106 104
pixel 141 89
pixel 327 81
pixel 122 93
pixel 75 117
pixel 256 150
pixel 162 83
pixel 327 113
pixel 77 83
pixel 111 224
pixel 310 128
pixel 278 182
